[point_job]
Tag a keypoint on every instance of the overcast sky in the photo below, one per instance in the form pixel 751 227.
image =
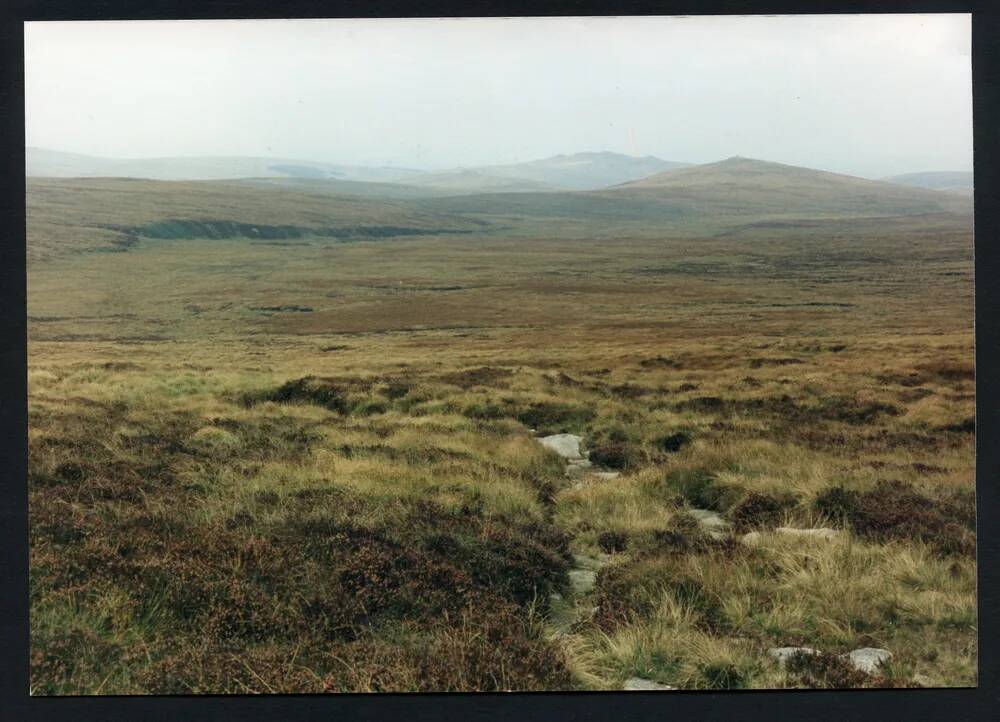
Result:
pixel 868 95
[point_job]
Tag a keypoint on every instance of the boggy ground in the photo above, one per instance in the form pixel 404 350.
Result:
pixel 315 468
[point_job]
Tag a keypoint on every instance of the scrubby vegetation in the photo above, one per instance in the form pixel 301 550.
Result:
pixel 346 493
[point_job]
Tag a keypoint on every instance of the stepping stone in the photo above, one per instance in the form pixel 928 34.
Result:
pixel 923 680
pixel 868 659
pixel 566 445
pixel 754 537
pixel 582 580
pixel 783 654
pixel 713 524
pixel 708 518
pixel 576 467
pixel 606 475
pixel 751 538
pixel 822 533
pixel 638 684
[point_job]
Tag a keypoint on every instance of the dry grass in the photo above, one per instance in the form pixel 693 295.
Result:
pixel 224 500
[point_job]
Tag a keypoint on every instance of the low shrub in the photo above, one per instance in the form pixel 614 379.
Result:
pixel 550 417
pixel 895 510
pixel 673 443
pixel 761 511
pixel 700 489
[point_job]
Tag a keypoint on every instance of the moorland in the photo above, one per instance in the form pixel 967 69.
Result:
pixel 284 434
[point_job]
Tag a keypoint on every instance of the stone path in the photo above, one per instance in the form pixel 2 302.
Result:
pixel 578 465
pixel 567 611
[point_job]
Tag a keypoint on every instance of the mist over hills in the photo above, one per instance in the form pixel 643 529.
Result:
pixel 711 196
pixel 738 184
pixel 579 171
pixel 585 171
pixel 719 193
pixel 42 162
pixel 950 181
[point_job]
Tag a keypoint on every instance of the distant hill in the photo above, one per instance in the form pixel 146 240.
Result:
pixel 580 171
pixel 717 195
pixel 952 181
pixel 583 171
pixel 745 185
pixel 41 162
pixel 475 181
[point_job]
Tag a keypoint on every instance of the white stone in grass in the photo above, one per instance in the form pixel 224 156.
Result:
pixel 606 475
pixel 869 659
pixel 566 445
pixel 821 533
pixel 708 518
pixel 577 467
pixel 751 538
pixel 783 654
pixel 582 580
pixel 638 684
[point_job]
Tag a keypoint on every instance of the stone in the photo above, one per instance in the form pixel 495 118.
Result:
pixel 923 680
pixel 577 467
pixel 713 524
pixel 822 533
pixel 868 659
pixel 638 684
pixel 582 580
pixel 606 475
pixel 708 518
pixel 751 538
pixel 566 445
pixel 783 654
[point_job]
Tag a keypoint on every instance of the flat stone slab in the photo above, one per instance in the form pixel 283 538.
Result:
pixel 582 580
pixel 783 654
pixel 606 475
pixel 638 684
pixel 711 521
pixel 755 537
pixel 869 659
pixel 708 518
pixel 566 445
pixel 577 467
pixel 821 533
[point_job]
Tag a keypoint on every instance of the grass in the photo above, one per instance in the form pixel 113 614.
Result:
pixel 350 498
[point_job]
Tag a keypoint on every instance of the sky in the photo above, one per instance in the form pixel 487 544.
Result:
pixel 868 95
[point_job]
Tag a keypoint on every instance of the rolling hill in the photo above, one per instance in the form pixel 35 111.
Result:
pixel 583 171
pixel 951 181
pixel 41 162
pixel 110 213
pixel 460 182
pixel 747 186
pixel 714 195
pixel 579 171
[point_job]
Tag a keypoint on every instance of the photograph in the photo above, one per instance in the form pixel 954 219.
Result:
pixel 500 354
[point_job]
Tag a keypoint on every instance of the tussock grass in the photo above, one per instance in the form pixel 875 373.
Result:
pixel 351 498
